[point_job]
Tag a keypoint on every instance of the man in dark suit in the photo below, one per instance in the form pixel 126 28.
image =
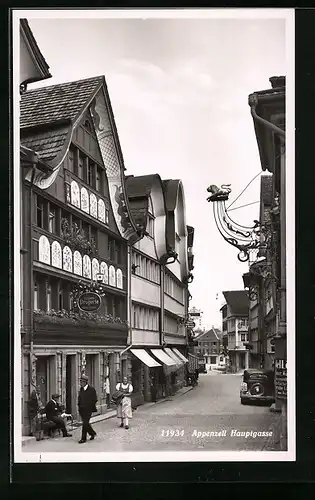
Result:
pixel 87 405
pixel 53 414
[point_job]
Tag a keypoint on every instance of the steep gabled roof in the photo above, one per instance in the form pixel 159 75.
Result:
pixel 34 52
pixel 55 103
pixel 238 301
pixel 214 335
pixel 48 115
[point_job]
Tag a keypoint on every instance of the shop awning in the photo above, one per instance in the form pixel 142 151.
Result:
pixel 162 356
pixel 172 355
pixel 145 357
pixel 180 355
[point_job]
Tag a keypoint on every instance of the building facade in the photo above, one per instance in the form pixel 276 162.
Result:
pixel 211 347
pixel 235 323
pixel 262 311
pixel 268 112
pixel 33 68
pixel 86 227
pixel 160 268
pixel 76 228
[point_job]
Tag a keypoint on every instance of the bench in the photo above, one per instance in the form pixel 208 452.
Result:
pixel 48 426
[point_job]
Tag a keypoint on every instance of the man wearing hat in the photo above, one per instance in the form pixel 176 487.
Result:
pixel 53 414
pixel 87 405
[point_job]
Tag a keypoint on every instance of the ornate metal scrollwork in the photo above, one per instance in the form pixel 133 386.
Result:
pixel 245 238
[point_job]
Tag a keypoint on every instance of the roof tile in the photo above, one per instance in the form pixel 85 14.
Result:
pixel 214 335
pixel 50 104
pixel 47 144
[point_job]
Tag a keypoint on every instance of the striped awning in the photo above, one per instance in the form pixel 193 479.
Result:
pixel 145 357
pixel 162 356
pixel 180 355
pixel 172 355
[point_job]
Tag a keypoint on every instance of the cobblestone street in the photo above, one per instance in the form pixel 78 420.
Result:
pixel 182 423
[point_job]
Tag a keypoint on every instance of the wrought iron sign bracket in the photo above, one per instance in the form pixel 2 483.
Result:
pixel 245 238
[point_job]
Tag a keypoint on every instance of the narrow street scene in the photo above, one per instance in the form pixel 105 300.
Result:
pixel 220 424
pixel 151 284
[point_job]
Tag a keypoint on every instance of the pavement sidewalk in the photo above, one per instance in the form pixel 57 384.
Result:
pixel 112 413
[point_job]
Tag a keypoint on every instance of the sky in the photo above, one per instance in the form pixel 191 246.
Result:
pixel 179 90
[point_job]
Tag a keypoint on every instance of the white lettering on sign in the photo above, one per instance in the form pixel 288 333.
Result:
pixel 281 364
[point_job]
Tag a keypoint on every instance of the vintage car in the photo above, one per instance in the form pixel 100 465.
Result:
pixel 257 386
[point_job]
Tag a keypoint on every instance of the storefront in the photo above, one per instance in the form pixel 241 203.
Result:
pixel 156 373
pixel 143 374
pixel 178 375
pixel 53 370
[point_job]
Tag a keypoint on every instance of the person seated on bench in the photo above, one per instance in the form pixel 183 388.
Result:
pixel 53 414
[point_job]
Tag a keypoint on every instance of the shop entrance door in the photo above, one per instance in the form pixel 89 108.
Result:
pixel 70 384
pixel 42 382
pixel 89 368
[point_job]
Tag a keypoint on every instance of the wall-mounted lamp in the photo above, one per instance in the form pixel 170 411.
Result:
pixel 189 278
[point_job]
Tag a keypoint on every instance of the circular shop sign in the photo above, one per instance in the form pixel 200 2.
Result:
pixel 89 301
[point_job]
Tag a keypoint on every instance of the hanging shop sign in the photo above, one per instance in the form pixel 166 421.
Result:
pixel 281 378
pixel 89 301
pixel 190 324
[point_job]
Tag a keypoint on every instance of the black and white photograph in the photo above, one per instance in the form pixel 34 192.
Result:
pixel 154 253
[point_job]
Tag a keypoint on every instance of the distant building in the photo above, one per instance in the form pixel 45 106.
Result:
pixel 210 346
pixel 235 324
